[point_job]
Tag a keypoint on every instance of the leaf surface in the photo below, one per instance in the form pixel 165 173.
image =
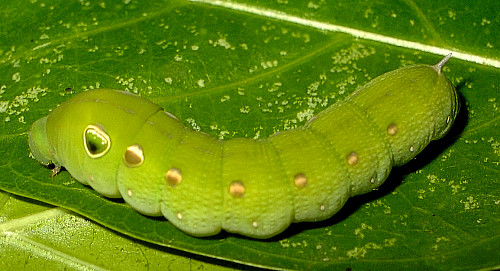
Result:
pixel 250 69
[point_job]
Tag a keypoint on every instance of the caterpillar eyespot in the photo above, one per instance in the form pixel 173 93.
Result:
pixel 96 141
pixel 132 149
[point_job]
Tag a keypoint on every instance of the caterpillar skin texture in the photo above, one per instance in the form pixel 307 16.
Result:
pixel 125 146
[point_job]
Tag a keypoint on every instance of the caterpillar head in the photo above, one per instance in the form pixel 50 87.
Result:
pixel 90 135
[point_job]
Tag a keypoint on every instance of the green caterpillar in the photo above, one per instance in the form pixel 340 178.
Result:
pixel 125 146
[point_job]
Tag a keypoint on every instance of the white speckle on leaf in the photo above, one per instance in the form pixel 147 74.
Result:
pixel 305 115
pixel 3 106
pixel 312 5
pixel 470 203
pixel 16 77
pixel 447 155
pixel 15 63
pixel 312 88
pixel 269 64
pixel 421 193
pixel 201 83
pixel 193 124
pixel 222 42
pixel 285 243
pixel 253 69
pixel 93 49
pixel 356 253
pixel 368 12
pixel 222 134
pixel 452 14
pixel 257 135
pixel 245 109
pixel 485 21
pixel 363 227
pixel 20 103
pixel 274 87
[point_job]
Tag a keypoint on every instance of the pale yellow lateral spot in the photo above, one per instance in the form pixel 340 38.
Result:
pixel 237 189
pixel 173 176
pixel 352 158
pixel 134 156
pixel 300 180
pixel 392 129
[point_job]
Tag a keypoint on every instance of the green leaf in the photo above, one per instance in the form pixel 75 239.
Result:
pixel 249 69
